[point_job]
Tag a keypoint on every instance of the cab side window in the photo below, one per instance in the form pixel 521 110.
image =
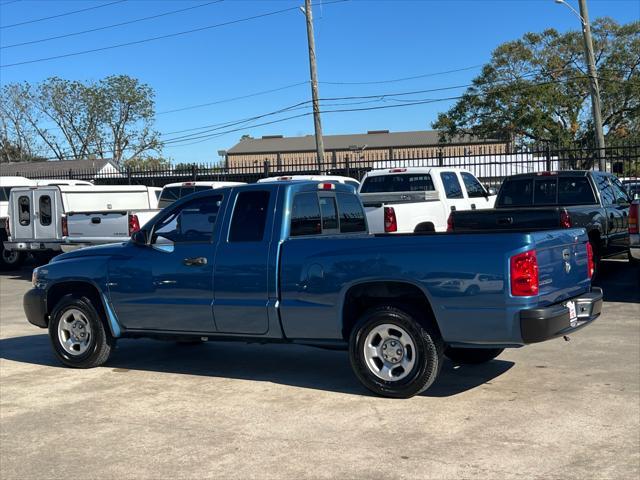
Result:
pixel 473 186
pixel 606 192
pixel 451 185
pixel 193 222
pixel 249 216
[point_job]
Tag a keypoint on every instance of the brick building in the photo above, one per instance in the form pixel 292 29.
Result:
pixel 289 154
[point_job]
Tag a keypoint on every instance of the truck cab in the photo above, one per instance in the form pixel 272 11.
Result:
pixel 420 199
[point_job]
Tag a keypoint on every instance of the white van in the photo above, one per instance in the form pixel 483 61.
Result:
pixel 38 216
pixel 9 259
pixel 175 191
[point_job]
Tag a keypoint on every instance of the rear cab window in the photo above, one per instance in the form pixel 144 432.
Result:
pixel 403 182
pixel 321 213
pixel 516 192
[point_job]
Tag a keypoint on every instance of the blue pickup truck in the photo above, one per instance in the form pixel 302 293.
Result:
pixel 294 262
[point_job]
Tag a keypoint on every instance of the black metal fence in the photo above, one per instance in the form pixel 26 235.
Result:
pixel 490 166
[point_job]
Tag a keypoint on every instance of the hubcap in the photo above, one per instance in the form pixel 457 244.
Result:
pixel 74 332
pixel 389 352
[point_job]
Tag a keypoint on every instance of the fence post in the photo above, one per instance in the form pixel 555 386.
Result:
pixel 347 161
pixel 266 167
pixel 129 175
pixel 194 172
pixel 548 155
pixel 440 158
pixel 70 174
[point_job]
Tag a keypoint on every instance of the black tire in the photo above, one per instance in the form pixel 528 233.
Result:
pixel 427 356
pixel 101 343
pixel 472 356
pixel 10 259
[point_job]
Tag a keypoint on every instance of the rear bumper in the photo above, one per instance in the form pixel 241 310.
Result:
pixel 540 324
pixel 32 246
pixel 35 307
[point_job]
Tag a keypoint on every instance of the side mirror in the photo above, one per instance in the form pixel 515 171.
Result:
pixel 492 191
pixel 139 238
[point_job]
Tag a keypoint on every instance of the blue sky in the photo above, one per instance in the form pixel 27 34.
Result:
pixel 357 41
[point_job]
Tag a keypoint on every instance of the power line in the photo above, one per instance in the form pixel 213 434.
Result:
pixel 82 32
pixel 62 14
pixel 378 82
pixel 160 37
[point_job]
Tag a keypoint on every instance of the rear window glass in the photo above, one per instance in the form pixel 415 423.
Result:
pixel 407 182
pixel 451 185
pixel 249 216
pixel 4 194
pixel 168 196
pixel 305 215
pixel 44 205
pixel 329 213
pixel 24 210
pixel 545 192
pixel 351 214
pixel 575 191
pixel 516 192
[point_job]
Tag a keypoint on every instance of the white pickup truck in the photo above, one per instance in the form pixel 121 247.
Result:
pixel 63 217
pixel 419 199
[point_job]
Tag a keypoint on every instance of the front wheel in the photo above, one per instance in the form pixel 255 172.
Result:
pixel 77 333
pixel 472 356
pixel 392 354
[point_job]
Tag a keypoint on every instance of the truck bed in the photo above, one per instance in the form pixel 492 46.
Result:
pixel 507 219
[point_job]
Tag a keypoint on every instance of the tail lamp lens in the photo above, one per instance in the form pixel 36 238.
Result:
pixel 390 223
pixel 65 227
pixel 450 223
pixel 524 274
pixel 633 218
pixel 565 219
pixel 591 267
pixel 134 224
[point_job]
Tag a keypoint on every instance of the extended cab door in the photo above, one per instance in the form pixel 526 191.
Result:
pixel 167 285
pixel 242 273
pixel 479 198
pixel 453 193
pixel 616 214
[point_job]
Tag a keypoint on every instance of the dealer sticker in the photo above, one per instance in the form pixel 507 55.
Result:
pixel 573 317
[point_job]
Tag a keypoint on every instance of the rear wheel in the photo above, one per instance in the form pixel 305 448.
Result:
pixel 10 259
pixel 78 334
pixel 392 354
pixel 472 356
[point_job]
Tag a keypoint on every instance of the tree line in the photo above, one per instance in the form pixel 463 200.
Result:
pixel 68 119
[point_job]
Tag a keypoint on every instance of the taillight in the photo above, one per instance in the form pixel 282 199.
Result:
pixel 591 267
pixel 7 229
pixel 65 227
pixel 565 219
pixel 633 218
pixel 524 274
pixel 134 224
pixel 450 223
pixel 390 223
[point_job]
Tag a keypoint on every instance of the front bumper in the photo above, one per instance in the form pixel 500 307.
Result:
pixel 35 307
pixel 540 324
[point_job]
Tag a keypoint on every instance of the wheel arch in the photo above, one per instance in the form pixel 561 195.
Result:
pixel 360 297
pixel 82 288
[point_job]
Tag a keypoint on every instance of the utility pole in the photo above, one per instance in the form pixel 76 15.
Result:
pixel 593 84
pixel 314 85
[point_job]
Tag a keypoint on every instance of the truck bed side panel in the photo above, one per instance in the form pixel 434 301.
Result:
pixel 464 277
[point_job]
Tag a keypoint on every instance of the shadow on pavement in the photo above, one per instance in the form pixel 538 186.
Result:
pixel 293 365
pixel 619 280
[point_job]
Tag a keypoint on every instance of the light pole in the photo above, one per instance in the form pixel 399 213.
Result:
pixel 583 15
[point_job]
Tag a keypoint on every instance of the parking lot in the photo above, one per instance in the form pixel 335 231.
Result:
pixel 223 410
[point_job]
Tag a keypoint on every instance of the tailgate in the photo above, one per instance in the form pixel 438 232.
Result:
pixel 562 264
pixel 107 224
pixel 505 219
pixel 377 199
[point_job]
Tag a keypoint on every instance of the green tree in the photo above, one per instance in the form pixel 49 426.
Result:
pixel 147 163
pixel 535 89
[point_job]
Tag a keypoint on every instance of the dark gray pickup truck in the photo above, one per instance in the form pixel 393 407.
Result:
pixel 596 201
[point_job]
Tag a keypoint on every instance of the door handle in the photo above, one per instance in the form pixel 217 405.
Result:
pixel 164 282
pixel 195 261
pixel 473 206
